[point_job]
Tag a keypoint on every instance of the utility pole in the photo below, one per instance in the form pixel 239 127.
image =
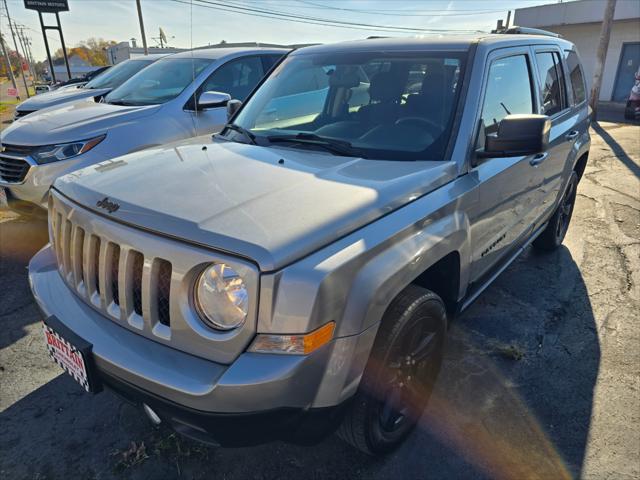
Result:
pixel 144 38
pixel 64 48
pixel 601 55
pixel 9 69
pixel 20 33
pixel 15 44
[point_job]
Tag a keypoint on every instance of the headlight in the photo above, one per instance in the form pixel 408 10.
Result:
pixel 54 153
pixel 221 297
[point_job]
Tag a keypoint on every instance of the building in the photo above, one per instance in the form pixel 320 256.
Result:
pixel 580 22
pixel 124 51
pixel 78 68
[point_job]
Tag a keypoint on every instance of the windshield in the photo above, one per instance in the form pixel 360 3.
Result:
pixel 396 106
pixel 159 83
pixel 118 74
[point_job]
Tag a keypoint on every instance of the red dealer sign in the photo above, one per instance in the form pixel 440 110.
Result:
pixel 47 6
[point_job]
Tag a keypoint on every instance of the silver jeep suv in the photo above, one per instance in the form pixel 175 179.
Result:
pixel 297 274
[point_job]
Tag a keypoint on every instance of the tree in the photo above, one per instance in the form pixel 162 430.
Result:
pixel 16 62
pixel 601 55
pixel 93 51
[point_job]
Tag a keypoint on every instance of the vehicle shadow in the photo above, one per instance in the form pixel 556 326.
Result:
pixel 513 400
pixel 617 149
pixel 20 239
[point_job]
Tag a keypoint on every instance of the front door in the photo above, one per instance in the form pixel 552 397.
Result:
pixel 505 212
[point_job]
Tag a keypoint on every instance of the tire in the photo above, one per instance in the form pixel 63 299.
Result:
pixel 552 236
pixel 399 377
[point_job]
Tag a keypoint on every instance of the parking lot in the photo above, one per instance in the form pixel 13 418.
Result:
pixel 541 377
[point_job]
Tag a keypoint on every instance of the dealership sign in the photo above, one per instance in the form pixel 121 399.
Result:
pixel 47 6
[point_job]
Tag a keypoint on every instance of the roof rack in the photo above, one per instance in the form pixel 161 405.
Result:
pixel 515 30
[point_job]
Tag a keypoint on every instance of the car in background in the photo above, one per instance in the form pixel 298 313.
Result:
pixel 183 95
pixel 84 78
pixel 95 89
pixel 632 109
pixel 40 89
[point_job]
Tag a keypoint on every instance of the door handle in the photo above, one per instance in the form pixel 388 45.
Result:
pixel 538 159
pixel 572 135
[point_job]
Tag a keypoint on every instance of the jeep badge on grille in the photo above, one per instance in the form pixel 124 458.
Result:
pixel 108 205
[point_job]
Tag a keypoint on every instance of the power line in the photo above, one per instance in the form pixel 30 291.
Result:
pixel 328 20
pixel 395 12
pixel 280 15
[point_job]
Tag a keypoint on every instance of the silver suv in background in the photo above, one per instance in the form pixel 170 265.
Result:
pixel 298 274
pixel 180 96
pixel 95 89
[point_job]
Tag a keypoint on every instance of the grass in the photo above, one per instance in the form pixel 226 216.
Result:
pixel 135 454
pixel 510 351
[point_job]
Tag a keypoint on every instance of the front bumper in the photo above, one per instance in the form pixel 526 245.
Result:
pixel 33 191
pixel 296 425
pixel 201 390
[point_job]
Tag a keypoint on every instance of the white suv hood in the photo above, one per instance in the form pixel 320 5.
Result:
pixel 241 199
pixel 58 97
pixel 71 122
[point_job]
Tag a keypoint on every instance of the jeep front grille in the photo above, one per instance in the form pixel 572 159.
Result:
pixel 13 163
pixel 110 277
pixel 142 280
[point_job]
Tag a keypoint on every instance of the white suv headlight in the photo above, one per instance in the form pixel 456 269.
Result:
pixel 55 153
pixel 221 297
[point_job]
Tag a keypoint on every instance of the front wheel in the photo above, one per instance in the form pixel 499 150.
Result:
pixel 553 235
pixel 400 374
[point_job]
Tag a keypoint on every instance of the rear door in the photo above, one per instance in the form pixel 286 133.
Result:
pixel 505 213
pixel 552 171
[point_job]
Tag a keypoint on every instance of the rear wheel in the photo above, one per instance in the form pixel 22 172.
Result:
pixel 553 235
pixel 400 374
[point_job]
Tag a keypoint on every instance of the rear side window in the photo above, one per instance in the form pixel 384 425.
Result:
pixel 551 82
pixel 576 77
pixel 508 91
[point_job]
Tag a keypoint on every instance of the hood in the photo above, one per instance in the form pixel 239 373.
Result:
pixel 271 205
pixel 71 122
pixel 58 97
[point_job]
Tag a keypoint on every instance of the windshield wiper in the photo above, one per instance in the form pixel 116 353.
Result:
pixel 237 128
pixel 123 103
pixel 339 147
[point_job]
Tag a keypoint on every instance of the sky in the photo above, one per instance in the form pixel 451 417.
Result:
pixel 197 22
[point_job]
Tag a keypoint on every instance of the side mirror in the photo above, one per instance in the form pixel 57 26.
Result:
pixel 212 100
pixel 518 135
pixel 232 107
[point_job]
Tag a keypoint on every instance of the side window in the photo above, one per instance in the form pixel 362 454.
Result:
pixel 269 61
pixel 237 77
pixel 508 91
pixel 576 77
pixel 551 82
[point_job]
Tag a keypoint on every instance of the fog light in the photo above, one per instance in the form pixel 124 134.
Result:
pixel 294 344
